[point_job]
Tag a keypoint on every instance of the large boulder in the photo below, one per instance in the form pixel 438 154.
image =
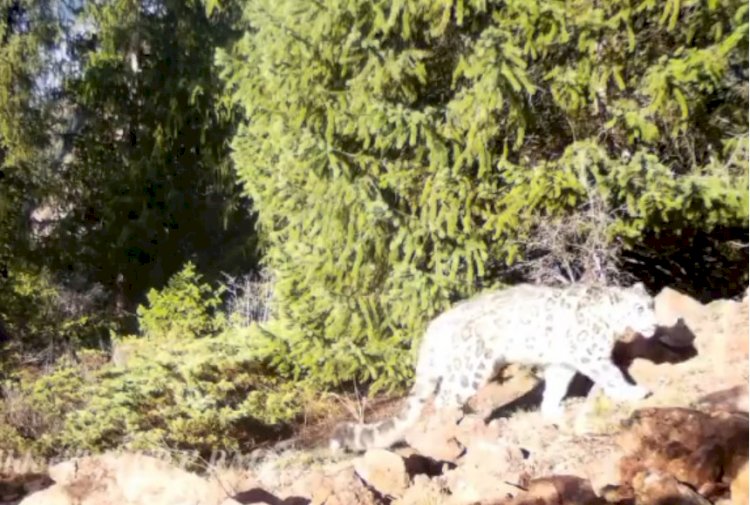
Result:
pixel 703 450
pixel 132 479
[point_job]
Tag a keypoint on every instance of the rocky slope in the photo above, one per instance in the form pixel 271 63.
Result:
pixel 686 444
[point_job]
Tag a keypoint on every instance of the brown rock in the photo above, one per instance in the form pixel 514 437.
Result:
pixel 604 477
pixel 126 478
pixel 729 320
pixel 739 487
pixel 440 442
pixel 559 490
pixel 320 487
pixel 384 471
pixel 473 429
pixel 341 488
pixel 512 383
pixel 488 473
pixel 671 305
pixel 657 488
pixel 720 327
pixel 696 448
pixel 733 399
pixel 424 491
pixel 434 436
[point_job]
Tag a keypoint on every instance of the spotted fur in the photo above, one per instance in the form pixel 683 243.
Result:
pixel 563 329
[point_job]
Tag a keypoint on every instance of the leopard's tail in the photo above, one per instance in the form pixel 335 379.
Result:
pixel 383 434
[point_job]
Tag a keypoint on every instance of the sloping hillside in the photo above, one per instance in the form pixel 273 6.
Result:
pixel 687 443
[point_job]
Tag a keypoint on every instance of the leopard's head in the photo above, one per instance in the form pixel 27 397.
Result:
pixel 638 312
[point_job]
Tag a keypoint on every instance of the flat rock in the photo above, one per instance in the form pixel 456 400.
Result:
pixel 384 470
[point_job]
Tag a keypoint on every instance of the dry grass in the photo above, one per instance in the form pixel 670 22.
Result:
pixel 575 247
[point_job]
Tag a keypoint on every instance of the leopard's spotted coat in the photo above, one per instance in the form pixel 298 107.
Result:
pixel 564 329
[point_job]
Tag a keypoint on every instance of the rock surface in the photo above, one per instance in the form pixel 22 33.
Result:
pixel 699 449
pixel 559 490
pixel 738 489
pixel 654 488
pixel 340 488
pixel 383 470
pixel 131 479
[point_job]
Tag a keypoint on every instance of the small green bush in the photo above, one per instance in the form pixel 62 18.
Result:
pixel 185 394
pixel 193 384
pixel 218 392
pixel 35 406
pixel 46 318
pixel 185 308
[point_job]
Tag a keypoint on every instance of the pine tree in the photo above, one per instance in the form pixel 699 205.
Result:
pixel 400 152
pixel 149 181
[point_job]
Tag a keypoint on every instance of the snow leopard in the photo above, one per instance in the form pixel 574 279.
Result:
pixel 562 329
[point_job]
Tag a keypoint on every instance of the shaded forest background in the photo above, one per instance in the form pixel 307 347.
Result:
pixel 218 217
